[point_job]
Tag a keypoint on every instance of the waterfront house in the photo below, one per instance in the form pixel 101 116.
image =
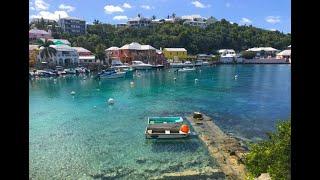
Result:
pixel 85 56
pixel 160 59
pixel 65 56
pixel 227 56
pixel 139 22
pixel 35 34
pixel 264 52
pixel 285 54
pixel 175 54
pixel 112 53
pixel 71 25
pixel 137 52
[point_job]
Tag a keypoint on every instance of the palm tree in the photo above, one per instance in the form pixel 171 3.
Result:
pixel 139 15
pixel 46 52
pixel 173 15
pixel 153 17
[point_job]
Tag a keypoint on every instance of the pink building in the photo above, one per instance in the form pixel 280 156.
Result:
pixel 35 34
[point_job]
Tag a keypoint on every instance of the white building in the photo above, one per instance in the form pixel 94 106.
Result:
pixel 65 56
pixel 227 55
pixel 200 24
pixel 268 51
pixel 85 56
pixel 139 22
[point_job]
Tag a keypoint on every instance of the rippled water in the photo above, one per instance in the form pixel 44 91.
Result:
pixel 81 137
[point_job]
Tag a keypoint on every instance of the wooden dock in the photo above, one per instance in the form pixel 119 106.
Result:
pixel 227 151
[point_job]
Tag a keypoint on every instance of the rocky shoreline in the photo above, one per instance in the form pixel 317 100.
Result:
pixel 227 150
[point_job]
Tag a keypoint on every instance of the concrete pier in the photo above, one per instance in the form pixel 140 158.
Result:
pixel 225 149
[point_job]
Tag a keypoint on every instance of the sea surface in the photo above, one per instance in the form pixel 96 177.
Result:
pixel 82 137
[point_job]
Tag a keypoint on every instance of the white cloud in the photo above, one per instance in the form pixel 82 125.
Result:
pixel 41 5
pixel 126 5
pixel 228 4
pixel 245 21
pixel 109 9
pixel 198 4
pixel 120 18
pixel 50 15
pixel 66 7
pixel 147 7
pixel 273 19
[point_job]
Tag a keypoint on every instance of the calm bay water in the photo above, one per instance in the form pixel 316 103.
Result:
pixel 81 137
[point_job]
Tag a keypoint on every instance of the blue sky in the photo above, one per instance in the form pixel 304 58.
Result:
pixel 267 14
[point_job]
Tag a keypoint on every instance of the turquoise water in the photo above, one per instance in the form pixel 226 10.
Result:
pixel 82 137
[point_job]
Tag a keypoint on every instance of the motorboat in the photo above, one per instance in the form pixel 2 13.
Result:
pixel 111 74
pixel 199 63
pixel 187 69
pixel 80 70
pixel 205 63
pixel 166 128
pixel 117 64
pixel 70 71
pixel 60 71
pixel 158 66
pixel 140 65
pixel 187 64
pixel 176 65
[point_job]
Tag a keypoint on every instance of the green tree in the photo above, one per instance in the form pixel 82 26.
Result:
pixel 46 52
pixel 248 54
pixel 100 52
pixel 272 156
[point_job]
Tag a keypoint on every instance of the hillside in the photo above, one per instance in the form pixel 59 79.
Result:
pixel 219 35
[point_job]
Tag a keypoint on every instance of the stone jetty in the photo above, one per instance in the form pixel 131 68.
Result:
pixel 227 151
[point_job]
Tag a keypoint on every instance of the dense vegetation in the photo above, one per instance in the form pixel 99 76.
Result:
pixel 219 35
pixel 272 156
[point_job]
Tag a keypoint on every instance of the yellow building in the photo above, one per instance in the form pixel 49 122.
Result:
pixel 175 54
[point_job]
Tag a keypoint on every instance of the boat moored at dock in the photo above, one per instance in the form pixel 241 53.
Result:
pixel 140 65
pixel 166 128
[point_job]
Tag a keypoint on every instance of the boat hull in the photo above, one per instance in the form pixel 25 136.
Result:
pixel 142 67
pixel 165 136
pixel 113 76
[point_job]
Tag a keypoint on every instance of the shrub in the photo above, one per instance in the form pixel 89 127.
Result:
pixel 273 155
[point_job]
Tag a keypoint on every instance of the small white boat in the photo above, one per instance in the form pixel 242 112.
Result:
pixel 140 65
pixel 176 65
pixel 111 74
pixel 205 63
pixel 187 64
pixel 199 63
pixel 187 69
pixel 70 71
pixel 118 65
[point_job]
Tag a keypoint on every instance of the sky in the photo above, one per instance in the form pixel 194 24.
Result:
pixel 266 14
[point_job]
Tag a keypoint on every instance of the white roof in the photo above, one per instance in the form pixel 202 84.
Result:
pixel 133 45
pixel 87 57
pixel 147 47
pixel 112 48
pixel 175 49
pixel 225 50
pixel 286 52
pixel 62 48
pixel 137 46
pixel 73 18
pixel 81 49
pixel 38 31
pixel 262 49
